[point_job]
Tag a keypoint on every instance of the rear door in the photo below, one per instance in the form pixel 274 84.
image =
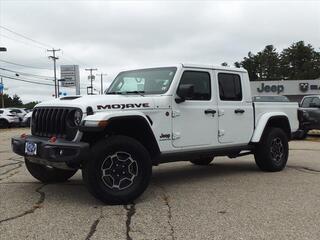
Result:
pixel 235 108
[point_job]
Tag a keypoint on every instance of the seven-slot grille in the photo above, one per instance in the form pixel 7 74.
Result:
pixel 49 122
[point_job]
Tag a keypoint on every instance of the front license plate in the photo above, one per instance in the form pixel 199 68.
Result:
pixel 31 148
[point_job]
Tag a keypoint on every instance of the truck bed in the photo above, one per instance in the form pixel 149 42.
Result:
pixel 289 108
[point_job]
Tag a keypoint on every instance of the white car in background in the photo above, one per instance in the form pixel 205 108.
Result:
pixel 8 118
pixel 26 120
pixel 19 111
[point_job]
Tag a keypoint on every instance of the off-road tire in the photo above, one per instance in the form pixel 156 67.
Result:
pixel 48 174
pixel 4 123
pixel 202 161
pixel 271 154
pixel 103 174
pixel 302 135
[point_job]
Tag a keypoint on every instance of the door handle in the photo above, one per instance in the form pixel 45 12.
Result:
pixel 239 111
pixel 210 111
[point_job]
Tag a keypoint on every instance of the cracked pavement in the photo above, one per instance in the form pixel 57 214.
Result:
pixel 230 199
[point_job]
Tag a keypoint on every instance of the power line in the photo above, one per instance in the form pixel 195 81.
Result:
pixel 28 74
pixel 28 38
pixel 27 43
pixel 22 65
pixel 24 80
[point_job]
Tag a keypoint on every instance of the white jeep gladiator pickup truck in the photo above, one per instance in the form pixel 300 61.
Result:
pixel 152 116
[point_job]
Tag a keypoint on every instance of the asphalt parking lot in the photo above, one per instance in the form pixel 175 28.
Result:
pixel 230 199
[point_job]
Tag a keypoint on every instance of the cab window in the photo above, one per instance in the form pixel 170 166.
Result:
pixel 229 87
pixel 201 82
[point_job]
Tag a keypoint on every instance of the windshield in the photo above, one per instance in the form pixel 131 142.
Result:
pixel 148 81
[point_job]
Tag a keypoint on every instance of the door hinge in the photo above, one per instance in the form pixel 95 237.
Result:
pixel 175 136
pixel 221 133
pixel 175 114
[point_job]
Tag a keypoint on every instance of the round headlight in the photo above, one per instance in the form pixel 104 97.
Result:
pixel 77 117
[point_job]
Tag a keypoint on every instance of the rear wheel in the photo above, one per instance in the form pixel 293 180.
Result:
pixel 202 161
pixel 271 153
pixel 47 174
pixel 4 123
pixel 302 135
pixel 119 171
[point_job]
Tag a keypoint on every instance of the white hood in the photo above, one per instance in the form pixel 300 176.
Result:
pixel 103 102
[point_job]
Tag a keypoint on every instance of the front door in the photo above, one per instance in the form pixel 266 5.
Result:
pixel 195 121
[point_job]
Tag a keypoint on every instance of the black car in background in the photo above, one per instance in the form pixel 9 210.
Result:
pixel 309 115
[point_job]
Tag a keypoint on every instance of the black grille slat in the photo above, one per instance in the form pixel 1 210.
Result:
pixel 41 123
pixel 47 121
pixel 58 120
pixel 63 121
pixel 52 121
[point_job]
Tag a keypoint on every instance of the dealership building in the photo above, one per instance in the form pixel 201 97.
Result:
pixel 295 90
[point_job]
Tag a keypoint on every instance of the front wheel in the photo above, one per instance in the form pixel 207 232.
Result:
pixel 47 174
pixel 271 153
pixel 119 170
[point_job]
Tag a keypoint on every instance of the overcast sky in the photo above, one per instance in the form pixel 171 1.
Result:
pixel 117 35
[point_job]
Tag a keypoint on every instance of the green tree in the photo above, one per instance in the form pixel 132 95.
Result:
pixel 300 61
pixel 251 65
pixel 30 105
pixel 269 63
pixel 16 101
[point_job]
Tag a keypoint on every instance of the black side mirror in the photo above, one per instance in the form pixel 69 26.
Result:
pixel 314 105
pixel 184 92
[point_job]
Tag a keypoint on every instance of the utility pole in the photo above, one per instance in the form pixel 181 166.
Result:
pixel 54 58
pixel 91 77
pixel 101 78
pixel 2 49
pixel 2 100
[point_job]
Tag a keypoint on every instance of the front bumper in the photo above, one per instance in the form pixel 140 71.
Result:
pixel 60 154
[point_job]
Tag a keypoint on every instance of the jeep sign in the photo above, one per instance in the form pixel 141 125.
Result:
pixel 270 88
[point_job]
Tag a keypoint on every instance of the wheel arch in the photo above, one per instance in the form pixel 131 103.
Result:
pixel 135 126
pixel 279 120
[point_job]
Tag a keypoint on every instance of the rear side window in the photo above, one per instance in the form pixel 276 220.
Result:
pixel 306 102
pixel 1 111
pixel 316 101
pixel 229 87
pixel 201 82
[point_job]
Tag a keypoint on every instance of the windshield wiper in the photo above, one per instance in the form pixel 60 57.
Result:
pixel 136 92
pixel 128 92
pixel 114 93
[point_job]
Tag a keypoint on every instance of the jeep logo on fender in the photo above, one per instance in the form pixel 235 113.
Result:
pixel 123 106
pixel 271 88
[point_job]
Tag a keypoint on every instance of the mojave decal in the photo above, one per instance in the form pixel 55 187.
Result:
pixel 123 106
